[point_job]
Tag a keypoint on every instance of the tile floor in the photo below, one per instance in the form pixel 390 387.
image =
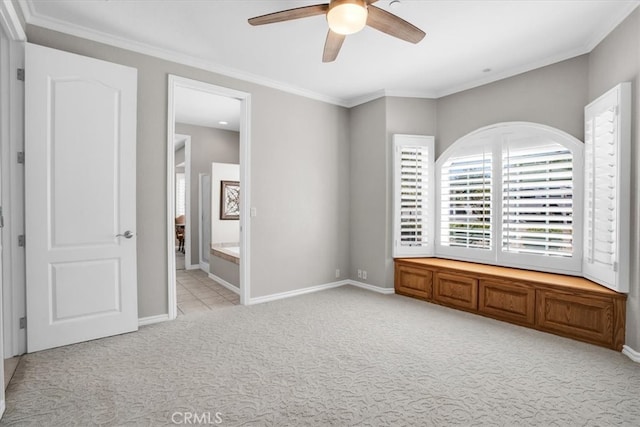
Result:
pixel 197 293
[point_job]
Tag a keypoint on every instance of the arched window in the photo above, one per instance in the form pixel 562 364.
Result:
pixel 511 194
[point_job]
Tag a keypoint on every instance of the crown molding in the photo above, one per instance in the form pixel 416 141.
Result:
pixel 363 99
pixel 33 18
pixel 382 93
pixel 585 49
pixel 511 72
pixel 611 25
pixel 10 22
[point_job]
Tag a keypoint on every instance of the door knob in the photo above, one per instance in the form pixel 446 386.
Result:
pixel 127 234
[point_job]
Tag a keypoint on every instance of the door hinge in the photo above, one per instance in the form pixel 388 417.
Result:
pixel 21 157
pixel 1 218
pixel 615 266
pixel 21 74
pixel 21 240
pixel 23 322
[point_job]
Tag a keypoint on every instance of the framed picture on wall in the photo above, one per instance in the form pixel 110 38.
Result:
pixel 230 200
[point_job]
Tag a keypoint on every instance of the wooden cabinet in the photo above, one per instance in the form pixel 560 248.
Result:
pixel 413 281
pixel 456 291
pixel 573 307
pixel 591 318
pixel 511 301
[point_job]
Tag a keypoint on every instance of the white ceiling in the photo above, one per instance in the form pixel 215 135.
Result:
pixel 463 38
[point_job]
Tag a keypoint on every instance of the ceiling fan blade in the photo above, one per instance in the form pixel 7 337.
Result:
pixel 332 46
pixel 389 23
pixel 290 14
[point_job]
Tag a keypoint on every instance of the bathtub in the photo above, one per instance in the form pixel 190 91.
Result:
pixel 225 263
pixel 229 252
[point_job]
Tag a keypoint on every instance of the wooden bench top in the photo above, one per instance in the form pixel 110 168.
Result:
pixel 550 279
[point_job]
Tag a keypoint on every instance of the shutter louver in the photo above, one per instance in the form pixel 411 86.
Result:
pixel 413 167
pixel 180 194
pixel 607 189
pixel 537 200
pixel 601 177
pixel 414 188
pixel 465 202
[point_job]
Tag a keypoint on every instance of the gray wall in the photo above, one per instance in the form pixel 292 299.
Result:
pixel 617 59
pixel 321 178
pixel 554 95
pixel 368 186
pixel 372 127
pixel 179 156
pixel 299 176
pixel 208 145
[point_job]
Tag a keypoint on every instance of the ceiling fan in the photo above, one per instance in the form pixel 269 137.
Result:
pixel 347 17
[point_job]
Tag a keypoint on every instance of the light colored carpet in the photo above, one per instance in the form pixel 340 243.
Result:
pixel 341 357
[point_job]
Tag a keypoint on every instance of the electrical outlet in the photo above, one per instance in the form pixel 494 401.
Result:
pixel 364 274
pixel 337 273
pixel 359 274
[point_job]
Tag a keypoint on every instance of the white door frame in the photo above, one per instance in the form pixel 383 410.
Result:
pixel 187 200
pixel 13 307
pixel 245 179
pixel 204 265
pixel 13 340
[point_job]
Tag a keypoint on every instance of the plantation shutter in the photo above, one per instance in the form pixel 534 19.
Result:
pixel 465 201
pixel 537 199
pixel 180 194
pixel 607 188
pixel 413 195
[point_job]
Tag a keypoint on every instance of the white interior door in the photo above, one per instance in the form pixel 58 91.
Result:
pixel 205 218
pixel 80 150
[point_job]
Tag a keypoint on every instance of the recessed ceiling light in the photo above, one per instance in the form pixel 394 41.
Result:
pixel 395 4
pixel 222 122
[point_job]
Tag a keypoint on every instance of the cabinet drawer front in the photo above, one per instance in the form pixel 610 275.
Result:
pixel 414 281
pixel 509 301
pixel 456 291
pixel 590 318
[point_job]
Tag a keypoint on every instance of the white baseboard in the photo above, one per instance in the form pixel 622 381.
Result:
pixel 225 283
pixel 289 294
pixel 204 266
pixel 631 353
pixel 143 321
pixel 374 288
pixel 192 267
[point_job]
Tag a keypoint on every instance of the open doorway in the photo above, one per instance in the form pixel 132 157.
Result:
pixel 181 191
pixel 207 214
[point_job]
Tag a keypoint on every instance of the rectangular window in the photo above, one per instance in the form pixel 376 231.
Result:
pixel 465 202
pixel 537 199
pixel 413 195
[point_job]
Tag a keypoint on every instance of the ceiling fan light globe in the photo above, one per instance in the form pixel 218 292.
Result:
pixel 347 16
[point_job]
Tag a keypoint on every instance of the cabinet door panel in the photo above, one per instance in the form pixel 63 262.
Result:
pixel 508 301
pixel 414 281
pixel 589 318
pixel 456 291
